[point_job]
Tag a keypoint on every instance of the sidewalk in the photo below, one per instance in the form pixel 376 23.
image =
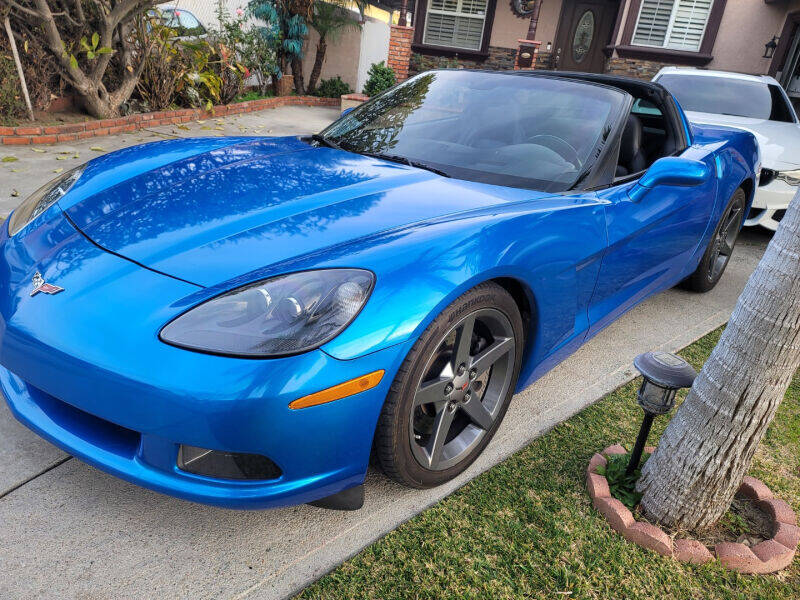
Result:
pixel 70 531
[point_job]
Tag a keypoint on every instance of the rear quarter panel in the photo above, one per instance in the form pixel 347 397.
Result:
pixel 737 159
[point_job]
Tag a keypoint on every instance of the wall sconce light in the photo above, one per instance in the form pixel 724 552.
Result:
pixel 770 46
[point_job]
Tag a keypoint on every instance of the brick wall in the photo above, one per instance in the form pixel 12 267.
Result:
pixel 632 67
pixel 529 47
pixel 400 50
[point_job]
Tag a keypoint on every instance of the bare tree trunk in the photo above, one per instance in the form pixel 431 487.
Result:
pixel 319 59
pixel 20 72
pixel 42 24
pixel 707 448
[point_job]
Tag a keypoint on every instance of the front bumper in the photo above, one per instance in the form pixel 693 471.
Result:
pixel 769 204
pixel 85 370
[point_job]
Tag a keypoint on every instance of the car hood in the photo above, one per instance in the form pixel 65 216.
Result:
pixel 209 211
pixel 779 142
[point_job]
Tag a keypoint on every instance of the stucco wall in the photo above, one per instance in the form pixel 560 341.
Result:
pixel 374 48
pixel 341 57
pixel 746 26
pixel 548 22
pixel 508 27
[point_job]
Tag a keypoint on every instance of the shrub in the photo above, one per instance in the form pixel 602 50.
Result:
pixel 332 88
pixel 163 65
pixel 244 48
pixel 12 105
pixel 253 95
pixel 44 82
pixel 379 78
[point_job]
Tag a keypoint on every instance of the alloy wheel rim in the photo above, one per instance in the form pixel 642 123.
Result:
pixel 725 240
pixel 460 393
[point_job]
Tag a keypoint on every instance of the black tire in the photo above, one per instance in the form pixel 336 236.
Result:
pixel 402 422
pixel 718 253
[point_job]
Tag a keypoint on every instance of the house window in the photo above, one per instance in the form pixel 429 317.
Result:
pixel 455 23
pixel 673 24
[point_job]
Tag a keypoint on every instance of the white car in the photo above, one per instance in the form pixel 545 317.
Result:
pixel 185 24
pixel 758 104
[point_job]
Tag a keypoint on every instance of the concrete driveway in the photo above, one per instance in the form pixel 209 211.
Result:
pixel 70 531
pixel 23 169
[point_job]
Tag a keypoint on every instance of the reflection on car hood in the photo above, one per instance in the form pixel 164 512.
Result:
pixel 779 142
pixel 208 211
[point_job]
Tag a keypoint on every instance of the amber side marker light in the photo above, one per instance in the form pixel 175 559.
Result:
pixel 342 390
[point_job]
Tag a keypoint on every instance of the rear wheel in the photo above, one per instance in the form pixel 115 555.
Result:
pixel 720 248
pixel 453 389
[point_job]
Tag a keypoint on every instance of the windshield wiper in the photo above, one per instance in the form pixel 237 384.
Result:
pixel 325 141
pixel 405 161
pixel 390 157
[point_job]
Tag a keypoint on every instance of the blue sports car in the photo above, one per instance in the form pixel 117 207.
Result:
pixel 246 321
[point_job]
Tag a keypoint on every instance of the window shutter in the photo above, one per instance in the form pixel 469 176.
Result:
pixel 455 23
pixel 654 18
pixel 689 24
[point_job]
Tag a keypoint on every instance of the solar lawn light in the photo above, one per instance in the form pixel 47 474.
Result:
pixel 664 374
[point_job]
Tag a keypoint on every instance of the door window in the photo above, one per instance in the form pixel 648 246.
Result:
pixel 584 34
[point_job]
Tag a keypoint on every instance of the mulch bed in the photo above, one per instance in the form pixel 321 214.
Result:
pixel 767 516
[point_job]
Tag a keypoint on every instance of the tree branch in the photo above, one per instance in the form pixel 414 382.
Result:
pixel 19 8
pixel 57 47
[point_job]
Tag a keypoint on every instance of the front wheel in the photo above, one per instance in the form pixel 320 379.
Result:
pixel 453 389
pixel 720 248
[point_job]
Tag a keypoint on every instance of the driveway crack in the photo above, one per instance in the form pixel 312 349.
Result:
pixel 58 463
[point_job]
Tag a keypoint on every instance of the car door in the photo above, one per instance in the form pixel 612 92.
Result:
pixel 651 241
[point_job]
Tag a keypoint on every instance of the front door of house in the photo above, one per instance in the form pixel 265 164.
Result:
pixel 584 30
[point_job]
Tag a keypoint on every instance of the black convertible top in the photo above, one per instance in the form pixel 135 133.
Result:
pixel 635 87
pixel 648 90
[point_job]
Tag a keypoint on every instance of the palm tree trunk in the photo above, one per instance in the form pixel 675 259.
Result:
pixel 319 59
pixel 706 449
pixel 297 71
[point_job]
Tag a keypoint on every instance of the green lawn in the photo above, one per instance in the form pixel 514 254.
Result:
pixel 526 528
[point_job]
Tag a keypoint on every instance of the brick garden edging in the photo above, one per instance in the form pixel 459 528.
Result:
pixel 29 134
pixel 766 557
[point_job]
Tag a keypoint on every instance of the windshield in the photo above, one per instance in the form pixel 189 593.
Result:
pixel 727 96
pixel 531 132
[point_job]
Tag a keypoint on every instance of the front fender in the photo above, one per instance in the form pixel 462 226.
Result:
pixel 551 247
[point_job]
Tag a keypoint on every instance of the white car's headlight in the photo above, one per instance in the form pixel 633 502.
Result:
pixel 790 177
pixel 42 199
pixel 284 315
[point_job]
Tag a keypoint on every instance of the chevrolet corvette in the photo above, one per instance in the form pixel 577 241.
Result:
pixel 247 321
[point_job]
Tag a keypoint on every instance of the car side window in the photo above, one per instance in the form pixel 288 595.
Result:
pixel 780 108
pixel 645 138
pixel 644 107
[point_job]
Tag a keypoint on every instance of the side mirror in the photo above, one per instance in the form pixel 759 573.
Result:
pixel 347 110
pixel 671 170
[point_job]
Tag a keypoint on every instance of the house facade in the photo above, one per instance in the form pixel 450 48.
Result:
pixel 628 37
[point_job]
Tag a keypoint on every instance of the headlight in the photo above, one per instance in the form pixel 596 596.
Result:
pixel 275 317
pixel 790 177
pixel 42 199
